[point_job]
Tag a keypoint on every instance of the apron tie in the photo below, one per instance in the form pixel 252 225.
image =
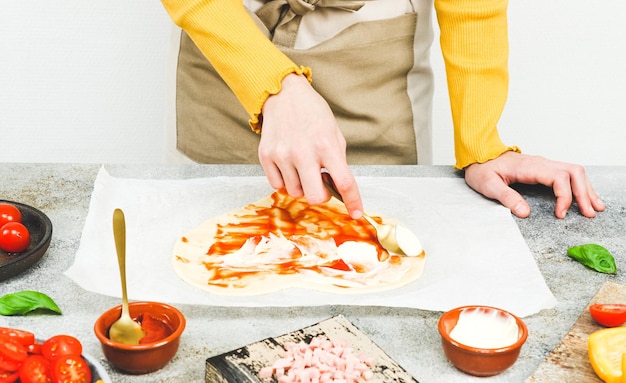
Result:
pixel 282 17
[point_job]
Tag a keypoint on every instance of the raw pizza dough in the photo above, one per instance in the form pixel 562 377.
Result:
pixel 280 242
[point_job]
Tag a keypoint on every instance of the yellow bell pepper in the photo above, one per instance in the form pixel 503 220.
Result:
pixel 607 354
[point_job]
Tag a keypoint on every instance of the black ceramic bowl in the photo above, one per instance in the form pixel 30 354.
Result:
pixel 40 228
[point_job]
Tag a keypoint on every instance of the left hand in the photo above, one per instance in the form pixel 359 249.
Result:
pixel 569 181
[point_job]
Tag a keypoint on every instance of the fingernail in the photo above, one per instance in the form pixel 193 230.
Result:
pixel 356 214
pixel 520 209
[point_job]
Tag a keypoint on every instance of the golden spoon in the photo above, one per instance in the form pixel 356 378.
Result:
pixel 394 238
pixel 125 330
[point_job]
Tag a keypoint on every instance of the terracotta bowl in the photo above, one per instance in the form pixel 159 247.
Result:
pixel 142 358
pixel 479 361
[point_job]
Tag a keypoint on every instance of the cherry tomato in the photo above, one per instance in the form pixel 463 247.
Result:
pixel 609 315
pixel 8 376
pixel 35 369
pixel 9 213
pixel 34 348
pixel 71 369
pixel 61 345
pixel 25 338
pixel 14 237
pixel 8 365
pixel 12 351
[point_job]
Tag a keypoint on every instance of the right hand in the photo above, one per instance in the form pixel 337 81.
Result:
pixel 299 137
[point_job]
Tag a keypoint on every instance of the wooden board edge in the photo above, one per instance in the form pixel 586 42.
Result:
pixel 569 358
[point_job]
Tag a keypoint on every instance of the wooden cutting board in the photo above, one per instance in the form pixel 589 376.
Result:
pixel 243 365
pixel 569 361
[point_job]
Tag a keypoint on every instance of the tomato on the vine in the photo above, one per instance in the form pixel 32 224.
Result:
pixel 9 213
pixel 14 237
pixel 61 345
pixel 609 315
pixel 70 369
pixel 36 369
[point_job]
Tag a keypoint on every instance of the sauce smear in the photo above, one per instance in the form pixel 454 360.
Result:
pixel 293 217
pixel 295 220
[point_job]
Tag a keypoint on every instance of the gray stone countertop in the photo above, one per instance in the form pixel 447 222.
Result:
pixel 409 336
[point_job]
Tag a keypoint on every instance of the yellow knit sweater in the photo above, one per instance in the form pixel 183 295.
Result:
pixel 473 40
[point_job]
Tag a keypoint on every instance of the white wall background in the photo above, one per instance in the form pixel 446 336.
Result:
pixel 89 81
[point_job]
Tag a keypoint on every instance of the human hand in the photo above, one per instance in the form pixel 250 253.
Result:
pixel 568 181
pixel 300 136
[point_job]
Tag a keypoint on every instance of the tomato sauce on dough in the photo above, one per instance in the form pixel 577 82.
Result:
pixel 291 218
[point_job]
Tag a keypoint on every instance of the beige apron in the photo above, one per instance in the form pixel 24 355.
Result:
pixel 362 72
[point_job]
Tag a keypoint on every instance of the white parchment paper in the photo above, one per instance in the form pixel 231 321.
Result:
pixel 475 253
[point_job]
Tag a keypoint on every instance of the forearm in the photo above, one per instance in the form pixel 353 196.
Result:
pixel 474 43
pixel 247 61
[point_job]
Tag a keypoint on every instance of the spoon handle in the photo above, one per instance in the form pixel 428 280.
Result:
pixel 330 185
pixel 119 233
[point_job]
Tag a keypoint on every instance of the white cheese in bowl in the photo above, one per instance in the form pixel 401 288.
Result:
pixel 485 328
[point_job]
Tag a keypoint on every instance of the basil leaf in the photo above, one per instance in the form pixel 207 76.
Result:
pixel 595 257
pixel 24 302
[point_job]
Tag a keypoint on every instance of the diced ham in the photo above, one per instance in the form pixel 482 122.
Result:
pixel 319 361
pixel 266 372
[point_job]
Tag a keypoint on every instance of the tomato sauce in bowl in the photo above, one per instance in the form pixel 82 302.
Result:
pixel 155 329
pixel 163 324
